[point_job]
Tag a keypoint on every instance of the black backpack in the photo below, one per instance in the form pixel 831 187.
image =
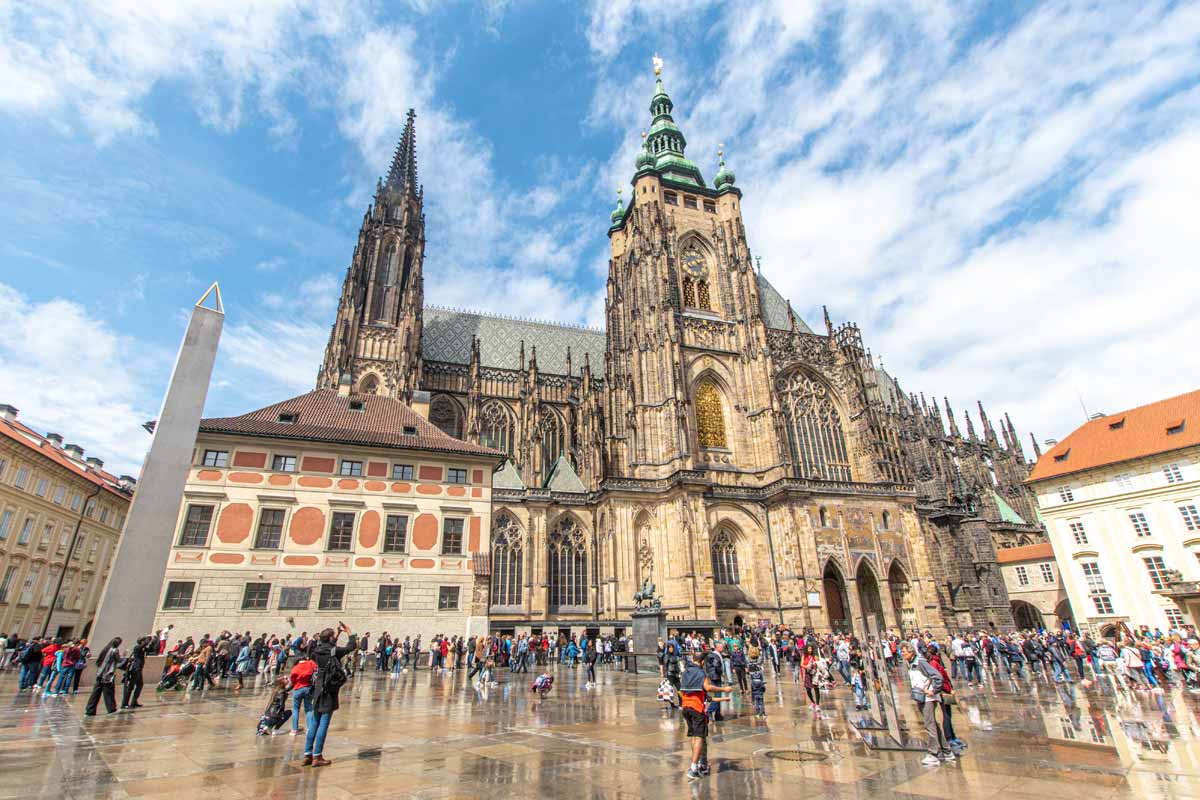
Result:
pixel 330 677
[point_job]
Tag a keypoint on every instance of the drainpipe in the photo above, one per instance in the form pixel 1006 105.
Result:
pixel 774 568
pixel 67 561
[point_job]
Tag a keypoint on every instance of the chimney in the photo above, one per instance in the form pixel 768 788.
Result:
pixel 344 385
pixel 74 450
pixel 8 412
pixel 1051 442
pixel 95 463
pixel 55 439
pixel 128 482
pixel 420 404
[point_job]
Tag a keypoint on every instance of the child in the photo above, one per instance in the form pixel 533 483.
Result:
pixel 276 713
pixel 542 683
pixel 860 691
pixel 758 689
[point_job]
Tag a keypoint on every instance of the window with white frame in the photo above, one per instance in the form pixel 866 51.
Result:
pixel 26 531
pixel 1022 576
pixel 6 585
pixel 3 467
pixel 1078 532
pixel 76 499
pixel 1175 617
pixel 1065 494
pixel 5 524
pixel 1173 473
pixel 1047 573
pixel 351 469
pixel 41 487
pixel 22 479
pixel 282 463
pixel 1191 518
pixel 31 579
pixel 1096 588
pixel 1140 526
pixel 216 458
pixel 59 493
pixel 1157 571
pixel 179 595
pixel 1124 481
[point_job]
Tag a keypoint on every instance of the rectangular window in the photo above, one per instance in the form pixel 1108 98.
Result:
pixel 1103 603
pixel 90 510
pixel 48 589
pixel 179 595
pixel 402 472
pixel 103 515
pixel 26 531
pixel 454 475
pixel 448 598
pixel 351 468
pixel 9 575
pixel 670 198
pixel 76 499
pixel 1124 481
pixel 283 464
pixel 1173 473
pixel 452 537
pixel 31 579
pixel 1175 617
pixel 22 479
pixel 710 206
pixel 689 202
pixel 195 526
pixel 47 536
pixel 256 596
pixel 389 597
pixel 1096 589
pixel 5 524
pixel 1047 573
pixel 216 458
pixel 3 467
pixel 1078 532
pixel 395 537
pixel 270 528
pixel 1191 519
pixel 294 598
pixel 341 531
pixel 1140 526
pixel 331 597
pixel 65 592
pixel 95 545
pixel 1022 576
pixel 1064 494
pixel 1158 572
pixel 78 547
pixel 42 486
pixel 64 538
pixel 60 492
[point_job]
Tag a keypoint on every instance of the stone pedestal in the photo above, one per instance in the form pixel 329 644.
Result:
pixel 649 625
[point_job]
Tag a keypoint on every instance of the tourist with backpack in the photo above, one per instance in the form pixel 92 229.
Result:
pixel 327 682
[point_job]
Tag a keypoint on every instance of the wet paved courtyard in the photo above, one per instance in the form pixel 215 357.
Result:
pixel 423 735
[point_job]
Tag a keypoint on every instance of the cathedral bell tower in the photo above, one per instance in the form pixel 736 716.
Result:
pixel 687 374
pixel 375 342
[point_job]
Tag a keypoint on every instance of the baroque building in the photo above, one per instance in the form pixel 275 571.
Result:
pixel 707 439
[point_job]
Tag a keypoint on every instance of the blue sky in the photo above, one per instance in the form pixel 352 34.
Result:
pixel 1001 194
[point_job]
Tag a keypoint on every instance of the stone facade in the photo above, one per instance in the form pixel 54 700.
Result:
pixel 283 535
pixel 1035 588
pixel 52 498
pixel 707 439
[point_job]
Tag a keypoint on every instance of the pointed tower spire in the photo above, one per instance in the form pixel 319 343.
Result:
pixel 665 142
pixel 950 419
pixel 989 433
pixel 1012 435
pixel 1037 451
pixel 402 176
pixel 970 426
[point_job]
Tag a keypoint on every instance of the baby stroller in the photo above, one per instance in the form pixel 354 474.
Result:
pixel 542 683
pixel 176 677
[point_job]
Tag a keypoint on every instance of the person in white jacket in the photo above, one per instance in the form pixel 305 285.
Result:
pixel 926 686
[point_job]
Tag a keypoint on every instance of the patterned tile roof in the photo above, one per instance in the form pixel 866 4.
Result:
pixel 323 416
pixel 1135 433
pixel 446 336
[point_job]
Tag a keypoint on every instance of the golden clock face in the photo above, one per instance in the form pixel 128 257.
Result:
pixel 693 263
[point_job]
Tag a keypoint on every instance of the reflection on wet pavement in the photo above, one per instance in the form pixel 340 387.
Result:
pixel 423 735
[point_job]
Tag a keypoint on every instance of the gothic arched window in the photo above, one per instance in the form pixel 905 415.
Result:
pixel 369 385
pixel 568 565
pixel 710 417
pixel 549 436
pixel 814 428
pixel 496 427
pixel 508 552
pixel 446 415
pixel 724 559
pixel 383 278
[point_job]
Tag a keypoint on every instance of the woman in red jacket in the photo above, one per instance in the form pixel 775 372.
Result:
pixel 947 700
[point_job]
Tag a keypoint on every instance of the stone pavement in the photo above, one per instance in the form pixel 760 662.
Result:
pixel 423 735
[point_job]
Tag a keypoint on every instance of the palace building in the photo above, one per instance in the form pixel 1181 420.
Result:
pixel 706 439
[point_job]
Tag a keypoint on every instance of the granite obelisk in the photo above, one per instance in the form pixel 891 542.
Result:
pixel 131 594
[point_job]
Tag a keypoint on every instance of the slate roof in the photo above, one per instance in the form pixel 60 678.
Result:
pixel 323 416
pixel 564 478
pixel 446 336
pixel 1007 513
pixel 1136 433
pixel 507 477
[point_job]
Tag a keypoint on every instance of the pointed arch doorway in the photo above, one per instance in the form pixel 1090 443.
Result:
pixel 868 595
pixel 836 604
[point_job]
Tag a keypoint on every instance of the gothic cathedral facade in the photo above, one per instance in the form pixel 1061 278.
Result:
pixel 706 440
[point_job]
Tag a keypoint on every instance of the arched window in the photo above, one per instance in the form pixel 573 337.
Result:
pixel 703 300
pixel 710 417
pixel 383 278
pixel 887 521
pixel 814 428
pixel 689 293
pixel 446 415
pixel 508 551
pixel 369 385
pixel 496 427
pixel 724 559
pixel 568 565
pixel 549 436
pixel 824 517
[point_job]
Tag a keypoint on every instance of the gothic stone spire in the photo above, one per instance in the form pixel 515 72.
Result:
pixel 402 176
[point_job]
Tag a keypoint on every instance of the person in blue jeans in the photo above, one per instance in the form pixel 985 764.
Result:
pixel 301 683
pixel 326 653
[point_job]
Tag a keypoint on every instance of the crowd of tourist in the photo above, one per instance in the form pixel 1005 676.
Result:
pixel 700 670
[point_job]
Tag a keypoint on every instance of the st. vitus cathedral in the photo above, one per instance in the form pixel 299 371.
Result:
pixel 707 439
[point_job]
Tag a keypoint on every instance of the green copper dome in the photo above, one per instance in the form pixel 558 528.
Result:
pixel 724 177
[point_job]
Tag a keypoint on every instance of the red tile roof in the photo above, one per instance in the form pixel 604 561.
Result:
pixel 1126 435
pixel 36 442
pixel 324 416
pixel 1029 552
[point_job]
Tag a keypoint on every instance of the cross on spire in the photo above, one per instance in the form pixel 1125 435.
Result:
pixel 402 176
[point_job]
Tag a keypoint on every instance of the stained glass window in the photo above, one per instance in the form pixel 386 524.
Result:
pixel 724 559
pixel 568 565
pixel 446 415
pixel 496 427
pixel 710 417
pixel 508 551
pixel 814 428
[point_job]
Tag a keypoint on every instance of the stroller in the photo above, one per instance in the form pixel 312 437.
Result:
pixel 176 677
pixel 542 683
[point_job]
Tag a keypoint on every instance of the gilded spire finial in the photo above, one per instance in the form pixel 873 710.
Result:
pixel 658 64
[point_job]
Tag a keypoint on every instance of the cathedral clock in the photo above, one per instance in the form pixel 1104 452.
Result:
pixel 693 264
